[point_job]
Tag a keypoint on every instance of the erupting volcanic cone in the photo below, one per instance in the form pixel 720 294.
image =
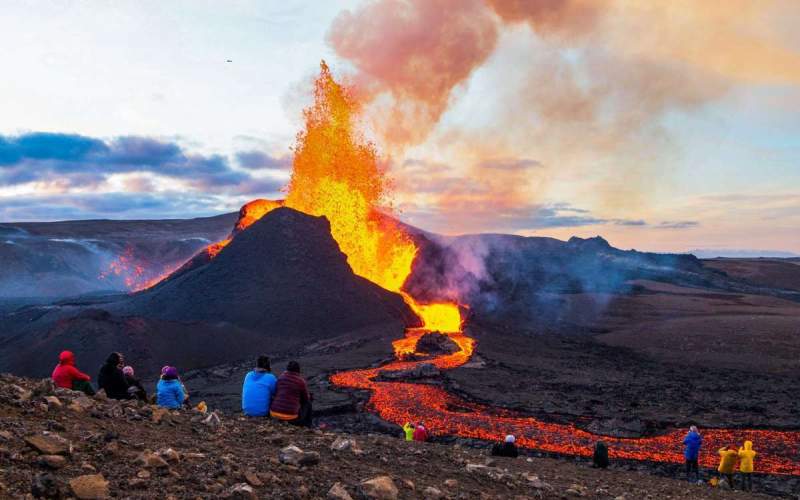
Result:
pixel 284 275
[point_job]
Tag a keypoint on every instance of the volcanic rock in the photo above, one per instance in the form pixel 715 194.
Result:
pixel 243 491
pixel 49 444
pixel 45 486
pixel 379 488
pixel 292 455
pixel 53 461
pixel 337 492
pixel 422 370
pixel 436 343
pixel 89 487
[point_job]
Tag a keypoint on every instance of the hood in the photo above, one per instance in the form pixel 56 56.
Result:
pixel 66 358
pixel 113 359
pixel 748 445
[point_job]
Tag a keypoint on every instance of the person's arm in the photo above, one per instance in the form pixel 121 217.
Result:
pixel 77 374
pixel 179 394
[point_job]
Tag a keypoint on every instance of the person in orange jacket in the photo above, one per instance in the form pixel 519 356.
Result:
pixel 420 433
pixel 746 456
pixel 67 376
pixel 727 463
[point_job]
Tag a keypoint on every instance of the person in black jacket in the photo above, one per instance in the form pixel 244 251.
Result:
pixel 507 448
pixel 111 379
pixel 600 456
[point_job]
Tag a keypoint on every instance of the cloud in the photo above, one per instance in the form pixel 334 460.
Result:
pixel 118 205
pixel 79 176
pixel 79 160
pixel 679 224
pixel 259 159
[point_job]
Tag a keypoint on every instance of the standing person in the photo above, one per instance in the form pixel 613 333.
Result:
pixel 408 430
pixel 746 456
pixel 420 433
pixel 600 455
pixel 169 390
pixel 692 443
pixel 292 402
pixel 67 376
pixel 111 379
pixel 727 463
pixel 135 388
pixel 258 389
pixel 507 448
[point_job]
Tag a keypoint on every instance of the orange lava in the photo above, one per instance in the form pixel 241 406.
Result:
pixel 445 414
pixel 253 211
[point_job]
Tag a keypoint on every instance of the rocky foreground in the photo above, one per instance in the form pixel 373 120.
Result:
pixel 56 443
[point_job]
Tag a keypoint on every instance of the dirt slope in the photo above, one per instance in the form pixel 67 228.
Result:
pixel 137 451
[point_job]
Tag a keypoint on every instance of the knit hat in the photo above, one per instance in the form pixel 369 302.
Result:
pixel 128 370
pixel 171 371
pixel 164 369
pixel 510 438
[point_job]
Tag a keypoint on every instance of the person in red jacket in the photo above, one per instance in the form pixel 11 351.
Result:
pixel 67 376
pixel 420 433
pixel 292 401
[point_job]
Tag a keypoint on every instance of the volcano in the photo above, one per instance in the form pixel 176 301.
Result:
pixel 284 276
pixel 279 285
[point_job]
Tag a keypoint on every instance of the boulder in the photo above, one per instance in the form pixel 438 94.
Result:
pixel 151 460
pixel 49 443
pixel 292 455
pixel 379 488
pixel 45 486
pixel 422 370
pixel 243 491
pixel 52 461
pixel 431 493
pixel 436 343
pixel 89 487
pixel 337 492
pixel 343 444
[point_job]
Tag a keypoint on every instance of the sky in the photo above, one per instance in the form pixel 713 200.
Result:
pixel 663 125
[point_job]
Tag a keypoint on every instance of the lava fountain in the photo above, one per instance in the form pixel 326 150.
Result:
pixel 336 174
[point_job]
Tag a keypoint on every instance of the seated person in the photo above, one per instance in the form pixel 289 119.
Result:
pixel 292 402
pixel 67 376
pixel 258 389
pixel 507 448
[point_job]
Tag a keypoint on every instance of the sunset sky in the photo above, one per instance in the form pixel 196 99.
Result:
pixel 665 125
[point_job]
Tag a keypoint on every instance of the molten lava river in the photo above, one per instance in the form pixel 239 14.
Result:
pixel 445 414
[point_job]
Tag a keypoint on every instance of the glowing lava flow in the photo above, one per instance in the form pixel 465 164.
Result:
pixel 445 414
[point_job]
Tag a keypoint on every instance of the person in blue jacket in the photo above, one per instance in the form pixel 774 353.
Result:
pixel 258 389
pixel 692 443
pixel 169 392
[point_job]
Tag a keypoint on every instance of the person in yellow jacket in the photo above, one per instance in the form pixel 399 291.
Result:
pixel 727 463
pixel 746 456
pixel 408 429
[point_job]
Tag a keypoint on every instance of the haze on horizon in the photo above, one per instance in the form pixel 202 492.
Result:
pixel 666 125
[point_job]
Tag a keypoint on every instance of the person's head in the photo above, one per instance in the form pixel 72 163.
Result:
pixel 421 425
pixel 293 367
pixel 510 439
pixel 115 359
pixel 694 429
pixel 128 370
pixel 748 445
pixel 263 363
pixel 66 358
pixel 170 373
